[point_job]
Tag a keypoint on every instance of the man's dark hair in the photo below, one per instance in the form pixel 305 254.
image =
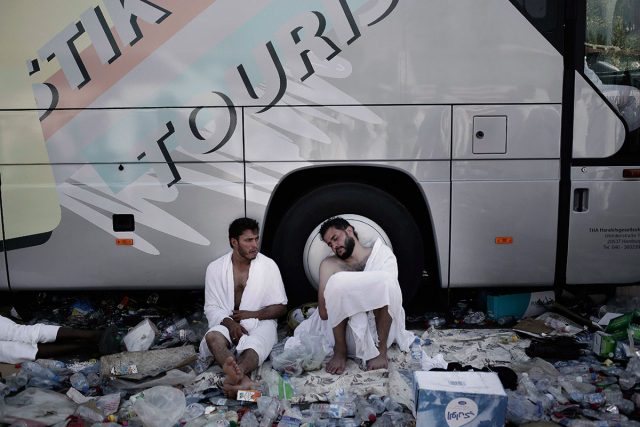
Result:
pixel 240 225
pixel 338 223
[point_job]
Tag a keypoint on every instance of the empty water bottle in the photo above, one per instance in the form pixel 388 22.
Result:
pixel 37 371
pixel 376 403
pixel 43 383
pixel 521 410
pixel 79 382
pixel 18 380
pixel 93 379
pixel 54 365
pixel 270 413
pixel 416 355
pixel 249 420
pixel 364 411
pixel 391 405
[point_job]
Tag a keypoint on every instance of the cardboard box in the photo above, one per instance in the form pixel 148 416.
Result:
pixel 603 344
pixel 519 305
pixel 452 399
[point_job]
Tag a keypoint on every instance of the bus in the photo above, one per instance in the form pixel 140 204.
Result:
pixel 490 143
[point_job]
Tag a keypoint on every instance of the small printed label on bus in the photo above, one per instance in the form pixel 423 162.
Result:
pixel 504 240
pixel 124 242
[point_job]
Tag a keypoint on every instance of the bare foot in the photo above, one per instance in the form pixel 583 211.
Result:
pixel 378 362
pixel 245 383
pixel 232 371
pixel 337 364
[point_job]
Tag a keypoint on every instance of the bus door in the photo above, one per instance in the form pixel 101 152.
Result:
pixel 604 220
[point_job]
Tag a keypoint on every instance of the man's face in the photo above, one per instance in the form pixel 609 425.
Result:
pixel 341 242
pixel 246 245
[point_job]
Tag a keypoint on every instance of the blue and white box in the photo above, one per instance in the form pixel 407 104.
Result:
pixel 454 399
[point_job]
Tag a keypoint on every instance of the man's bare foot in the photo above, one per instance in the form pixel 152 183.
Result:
pixel 245 383
pixel 378 362
pixel 337 364
pixel 232 371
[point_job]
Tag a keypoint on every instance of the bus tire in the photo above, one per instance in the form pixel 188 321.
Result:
pixel 310 210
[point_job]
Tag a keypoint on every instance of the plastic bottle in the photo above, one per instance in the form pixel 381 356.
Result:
pixel 93 379
pixel 521 410
pixel 377 403
pixel 416 355
pixel 391 405
pixel 79 382
pixel 54 365
pixel 43 383
pixel 364 411
pixel 18 380
pixel 249 420
pixel 270 413
pixel 36 371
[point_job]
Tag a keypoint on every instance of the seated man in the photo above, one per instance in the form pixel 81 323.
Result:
pixel 359 300
pixel 244 294
pixel 19 343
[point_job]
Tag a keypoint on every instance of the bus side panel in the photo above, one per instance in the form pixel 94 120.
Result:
pixel 604 226
pixel 178 229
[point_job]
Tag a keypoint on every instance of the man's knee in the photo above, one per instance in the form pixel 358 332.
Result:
pixel 216 339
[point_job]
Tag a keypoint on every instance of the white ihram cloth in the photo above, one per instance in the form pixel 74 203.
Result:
pixel 264 287
pixel 19 343
pixel 353 295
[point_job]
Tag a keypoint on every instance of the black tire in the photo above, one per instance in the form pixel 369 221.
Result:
pixel 353 198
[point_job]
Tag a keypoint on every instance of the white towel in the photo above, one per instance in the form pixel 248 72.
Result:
pixel 264 287
pixel 351 294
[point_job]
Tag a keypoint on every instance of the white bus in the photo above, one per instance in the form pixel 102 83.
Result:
pixel 491 143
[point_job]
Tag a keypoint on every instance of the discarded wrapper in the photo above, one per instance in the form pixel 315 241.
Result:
pixel 249 395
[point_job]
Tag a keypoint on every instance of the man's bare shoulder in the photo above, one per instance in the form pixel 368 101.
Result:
pixel 332 263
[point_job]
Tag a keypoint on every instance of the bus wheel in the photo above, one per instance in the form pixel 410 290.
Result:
pixel 373 213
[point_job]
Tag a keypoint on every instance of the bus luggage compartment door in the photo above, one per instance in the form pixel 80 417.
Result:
pixel 504 195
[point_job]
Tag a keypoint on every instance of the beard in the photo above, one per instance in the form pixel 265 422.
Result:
pixel 349 244
pixel 248 255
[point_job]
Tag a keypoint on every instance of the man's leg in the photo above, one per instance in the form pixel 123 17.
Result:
pixel 338 363
pixel 248 361
pixel 66 335
pixel 48 350
pixel 219 347
pixel 383 326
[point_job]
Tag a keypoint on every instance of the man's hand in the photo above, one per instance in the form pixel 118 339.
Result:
pixel 236 330
pixel 239 315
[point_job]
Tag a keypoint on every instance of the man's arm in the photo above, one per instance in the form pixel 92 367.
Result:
pixel 327 268
pixel 273 311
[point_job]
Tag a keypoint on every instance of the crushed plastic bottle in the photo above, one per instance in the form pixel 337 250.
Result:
pixel 35 370
pixel 43 383
pixel 364 411
pixel 18 380
pixel 521 410
pixel 53 365
pixel 79 382
pixel 270 412
pixel 377 403
pixel 249 420
pixel 391 405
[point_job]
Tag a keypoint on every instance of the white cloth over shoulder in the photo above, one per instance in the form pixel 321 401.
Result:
pixel 19 343
pixel 353 295
pixel 264 288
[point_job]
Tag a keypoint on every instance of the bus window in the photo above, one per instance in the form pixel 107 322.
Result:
pixel 612 57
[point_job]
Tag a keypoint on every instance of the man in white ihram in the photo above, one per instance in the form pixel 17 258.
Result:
pixel 244 294
pixel 359 300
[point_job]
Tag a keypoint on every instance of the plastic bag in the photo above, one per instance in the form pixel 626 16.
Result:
pixel 305 357
pixel 161 406
pixel 141 337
